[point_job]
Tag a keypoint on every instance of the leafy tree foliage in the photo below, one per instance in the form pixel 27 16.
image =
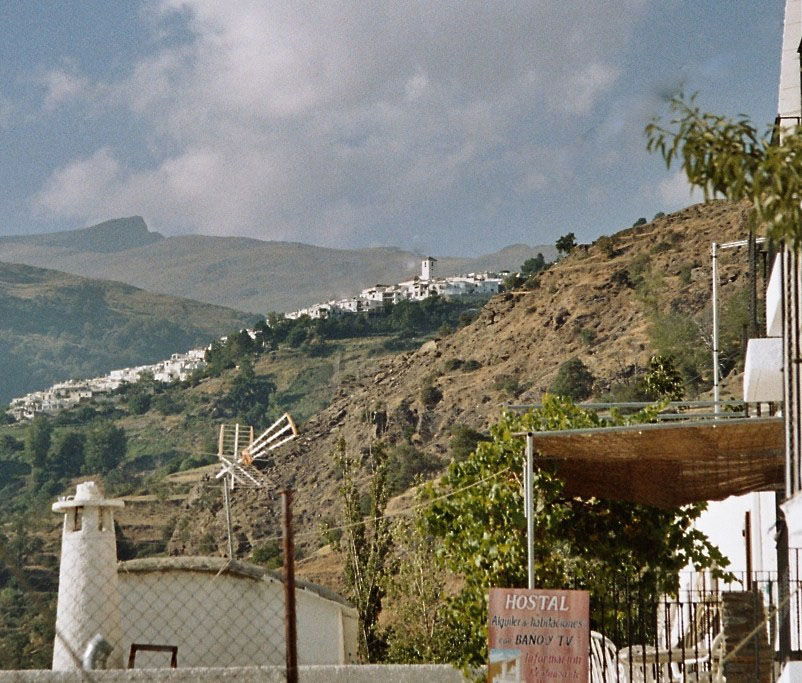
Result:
pixel 662 380
pixel 249 396
pixel 365 543
pixel 65 458
pixel 480 530
pixel 37 441
pixel 406 320
pixel 730 157
pixel 138 403
pixel 106 445
pixel 566 243
pixel 416 632
pixel 464 440
pixel 574 380
pixel 534 265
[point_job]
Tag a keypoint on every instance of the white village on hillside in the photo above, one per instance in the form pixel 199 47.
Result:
pixel 180 366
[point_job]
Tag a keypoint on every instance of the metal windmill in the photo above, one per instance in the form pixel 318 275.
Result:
pixel 238 452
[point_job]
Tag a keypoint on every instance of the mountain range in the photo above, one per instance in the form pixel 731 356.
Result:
pixel 241 273
pixel 55 326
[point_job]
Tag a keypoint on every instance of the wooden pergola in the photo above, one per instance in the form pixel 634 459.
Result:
pixel 667 464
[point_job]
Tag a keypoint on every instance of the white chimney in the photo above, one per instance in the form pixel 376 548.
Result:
pixel 88 599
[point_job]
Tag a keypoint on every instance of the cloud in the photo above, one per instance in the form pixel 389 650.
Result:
pixel 333 123
pixel 62 85
pixel 676 192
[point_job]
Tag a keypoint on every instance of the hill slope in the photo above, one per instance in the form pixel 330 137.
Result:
pixel 521 338
pixel 246 274
pixel 54 326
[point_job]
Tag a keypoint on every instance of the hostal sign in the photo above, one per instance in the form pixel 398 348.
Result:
pixel 538 635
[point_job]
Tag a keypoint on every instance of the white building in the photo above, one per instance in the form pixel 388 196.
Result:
pixel 209 611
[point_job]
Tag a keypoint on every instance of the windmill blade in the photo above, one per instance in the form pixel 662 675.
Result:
pixel 237 450
pixel 280 432
pixel 238 474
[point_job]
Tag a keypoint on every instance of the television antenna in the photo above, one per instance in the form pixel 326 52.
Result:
pixel 238 451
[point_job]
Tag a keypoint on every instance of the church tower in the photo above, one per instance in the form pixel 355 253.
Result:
pixel 88 599
pixel 427 268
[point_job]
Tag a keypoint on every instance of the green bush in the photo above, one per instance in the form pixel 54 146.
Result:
pixel 268 554
pixel 453 364
pixel 471 365
pixel 406 464
pixel 574 380
pixel 430 395
pixel 607 245
pixel 138 403
pixel 587 335
pixel 464 440
pixel 167 403
pixel 508 384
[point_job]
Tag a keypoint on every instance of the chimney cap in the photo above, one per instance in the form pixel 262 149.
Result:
pixel 87 493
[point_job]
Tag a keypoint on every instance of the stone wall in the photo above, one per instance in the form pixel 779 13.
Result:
pixel 306 674
pixel 741 613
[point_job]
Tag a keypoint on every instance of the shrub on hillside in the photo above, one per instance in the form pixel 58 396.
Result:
pixel 406 464
pixel 607 245
pixel 430 395
pixel 574 380
pixel 453 364
pixel 464 440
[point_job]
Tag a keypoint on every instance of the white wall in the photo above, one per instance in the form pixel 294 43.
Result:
pixel 228 620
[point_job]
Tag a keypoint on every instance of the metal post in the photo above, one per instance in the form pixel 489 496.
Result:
pixel 714 264
pixel 530 521
pixel 290 633
pixel 748 546
pixel 783 580
pixel 227 503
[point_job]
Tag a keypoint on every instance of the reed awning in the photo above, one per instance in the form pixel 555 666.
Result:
pixel 667 464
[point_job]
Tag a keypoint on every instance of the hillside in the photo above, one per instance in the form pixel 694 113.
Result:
pixel 592 305
pixel 55 326
pixel 347 382
pixel 245 274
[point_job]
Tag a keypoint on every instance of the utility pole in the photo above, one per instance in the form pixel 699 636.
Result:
pixel 290 631
pixel 528 472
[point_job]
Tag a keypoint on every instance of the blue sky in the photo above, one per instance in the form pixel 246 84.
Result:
pixel 449 128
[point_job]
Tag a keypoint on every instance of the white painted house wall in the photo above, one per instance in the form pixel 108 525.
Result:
pixel 216 619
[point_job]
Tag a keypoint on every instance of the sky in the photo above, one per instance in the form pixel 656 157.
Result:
pixel 451 128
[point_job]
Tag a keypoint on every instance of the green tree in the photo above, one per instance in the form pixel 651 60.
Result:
pixel 37 441
pixel 138 403
pixel 566 243
pixel 534 265
pixel 574 380
pixel 731 158
pixel 106 446
pixel 415 629
pixel 65 458
pixel 476 516
pixel 249 396
pixel 662 380
pixel 366 543
pixel 464 440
